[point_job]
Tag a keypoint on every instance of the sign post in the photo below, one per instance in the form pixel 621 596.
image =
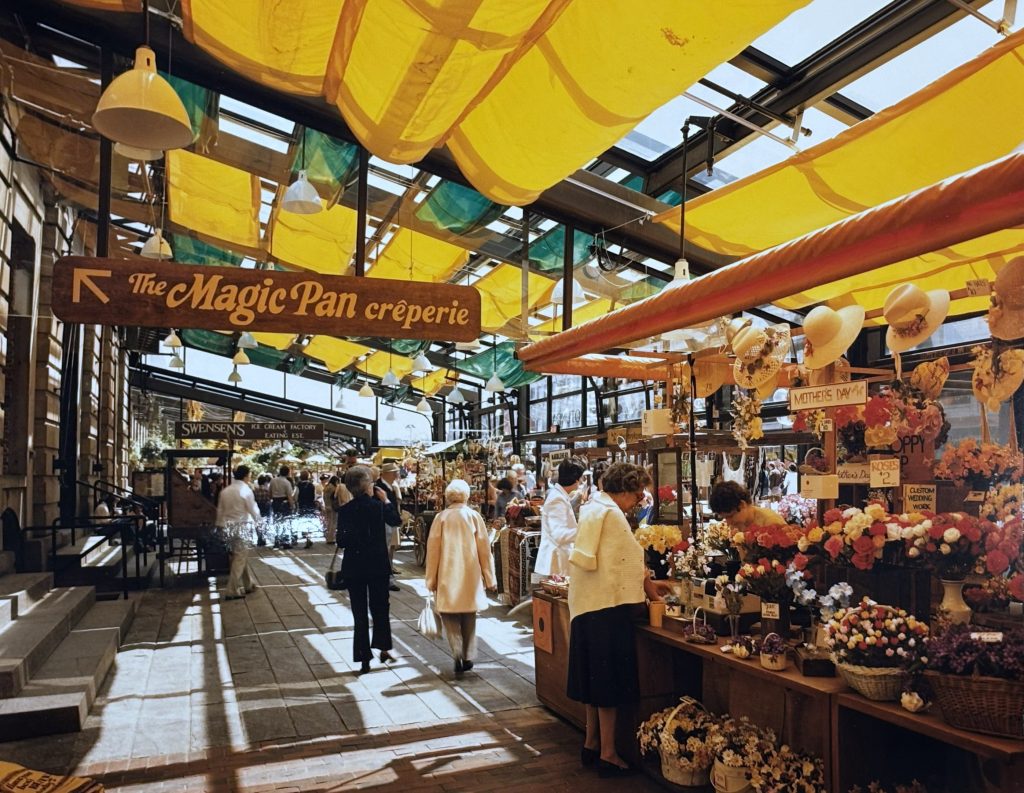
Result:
pixel 158 294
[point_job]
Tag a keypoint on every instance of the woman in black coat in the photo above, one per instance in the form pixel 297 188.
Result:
pixel 366 566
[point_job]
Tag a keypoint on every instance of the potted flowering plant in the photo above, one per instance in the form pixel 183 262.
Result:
pixel 680 736
pixel 795 509
pixel 773 651
pixel 1003 546
pixel 857 536
pixel 656 539
pixel 951 542
pixel 978 679
pixel 766 578
pixel 980 465
pixel 1002 502
pixel 780 542
pixel 874 645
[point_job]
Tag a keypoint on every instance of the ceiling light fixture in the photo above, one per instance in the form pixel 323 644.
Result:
pixel 156 247
pixel 423 406
pixel 494 383
pixel 172 340
pixel 390 379
pixel 301 198
pixel 390 414
pixel 247 341
pixel 456 397
pixel 558 292
pixel 234 377
pixel 141 109
pixel 137 154
pixel 176 362
pixel 366 391
pixel 421 363
pixel 240 358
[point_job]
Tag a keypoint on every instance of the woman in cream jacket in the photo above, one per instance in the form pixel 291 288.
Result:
pixel 558 522
pixel 459 568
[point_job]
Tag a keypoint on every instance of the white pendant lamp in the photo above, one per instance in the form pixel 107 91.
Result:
pixel 234 377
pixel 421 364
pixel 240 358
pixel 366 391
pixel 246 341
pixel 559 291
pixel 301 198
pixel 176 362
pixel 140 108
pixel 682 271
pixel 391 414
pixel 494 384
pixel 456 398
pixel 172 340
pixel 423 406
pixel 156 247
pixel 137 154
pixel 390 379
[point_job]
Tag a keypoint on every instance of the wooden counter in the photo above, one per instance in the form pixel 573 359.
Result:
pixel 858 740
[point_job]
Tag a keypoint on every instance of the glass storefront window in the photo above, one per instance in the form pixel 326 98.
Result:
pixel 630 407
pixel 564 383
pixel 538 417
pixel 539 389
pixel 566 413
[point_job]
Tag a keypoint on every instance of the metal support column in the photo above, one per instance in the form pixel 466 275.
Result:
pixel 567 261
pixel 693 450
pixel 362 190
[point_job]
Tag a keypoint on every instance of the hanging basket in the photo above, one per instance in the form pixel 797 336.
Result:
pixel 881 684
pixel 990 705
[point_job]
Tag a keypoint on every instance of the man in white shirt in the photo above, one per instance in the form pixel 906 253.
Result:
pixel 237 515
pixel 282 504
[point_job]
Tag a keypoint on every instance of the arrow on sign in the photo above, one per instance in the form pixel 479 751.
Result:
pixel 84 277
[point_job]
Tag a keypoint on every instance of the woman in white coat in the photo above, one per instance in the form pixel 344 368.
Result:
pixel 558 522
pixel 459 568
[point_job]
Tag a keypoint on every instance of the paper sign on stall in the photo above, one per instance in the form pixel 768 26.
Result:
pixel 919 498
pixel 819 486
pixel 828 396
pixel 854 473
pixel 885 472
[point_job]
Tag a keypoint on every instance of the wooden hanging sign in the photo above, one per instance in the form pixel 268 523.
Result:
pixel 160 294
pixel 250 430
pixel 828 396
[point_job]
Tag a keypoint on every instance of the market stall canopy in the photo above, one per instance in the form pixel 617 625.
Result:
pixel 502 361
pixel 952 125
pixel 457 74
pixel 983 201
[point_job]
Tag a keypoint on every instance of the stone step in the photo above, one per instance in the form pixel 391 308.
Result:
pixel 101 555
pixel 19 591
pixel 26 643
pixel 59 696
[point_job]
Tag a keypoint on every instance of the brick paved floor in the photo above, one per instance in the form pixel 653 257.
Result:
pixel 260 695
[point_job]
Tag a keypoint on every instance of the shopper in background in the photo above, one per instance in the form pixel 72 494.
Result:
pixel 506 495
pixel 609 582
pixel 792 482
pixel 459 568
pixel 776 476
pixel 238 516
pixel 282 501
pixel 330 504
pixel 731 502
pixel 558 522
pixel 365 566
pixel 306 505
pixel 388 482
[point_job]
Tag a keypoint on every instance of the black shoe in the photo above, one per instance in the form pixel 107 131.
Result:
pixel 308 545
pixel 364 668
pixel 385 657
pixel 607 770
pixel 261 543
pixel 394 588
pixel 467 665
pixel 459 667
pixel 589 757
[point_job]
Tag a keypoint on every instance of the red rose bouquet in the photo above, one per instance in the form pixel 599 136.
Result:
pixel 781 542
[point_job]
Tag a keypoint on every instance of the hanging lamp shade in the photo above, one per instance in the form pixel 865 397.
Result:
pixel 240 358
pixel 421 364
pixel 390 379
pixel 176 362
pixel 494 384
pixel 172 340
pixel 234 377
pixel 156 247
pixel 140 109
pixel 423 406
pixel 135 153
pixel 246 341
pixel 682 271
pixel 456 397
pixel 340 402
pixel 301 198
pixel 577 292
pixel 366 391
pixel 391 414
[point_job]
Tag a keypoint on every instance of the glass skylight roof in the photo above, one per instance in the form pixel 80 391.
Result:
pixel 806 31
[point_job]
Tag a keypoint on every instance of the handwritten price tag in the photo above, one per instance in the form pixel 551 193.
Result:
pixel 978 286
pixel 769 611
pixel 885 472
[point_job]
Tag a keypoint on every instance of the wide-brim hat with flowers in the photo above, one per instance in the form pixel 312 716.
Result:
pixel 913 315
pixel 828 334
pixel 759 355
pixel 1006 316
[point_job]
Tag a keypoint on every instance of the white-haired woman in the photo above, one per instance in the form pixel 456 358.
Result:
pixel 459 568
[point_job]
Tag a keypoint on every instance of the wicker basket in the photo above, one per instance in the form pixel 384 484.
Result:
pixel 980 704
pixel 880 684
pixel 669 768
pixel 775 662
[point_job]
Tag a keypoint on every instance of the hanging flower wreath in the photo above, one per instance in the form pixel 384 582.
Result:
pixel 746 418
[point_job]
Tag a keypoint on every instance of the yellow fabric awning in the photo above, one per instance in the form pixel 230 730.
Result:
pixel 378 364
pixel 523 93
pixel 950 126
pixel 336 354
pixel 501 294
pixel 323 242
pixel 279 341
pixel 411 256
pixel 432 383
pixel 213 199
pixel 595 308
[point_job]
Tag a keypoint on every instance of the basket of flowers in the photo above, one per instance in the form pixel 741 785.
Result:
pixel 773 652
pixel 874 646
pixel 679 735
pixel 699 632
pixel 978 679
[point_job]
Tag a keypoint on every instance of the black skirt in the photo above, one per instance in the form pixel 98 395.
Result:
pixel 602 658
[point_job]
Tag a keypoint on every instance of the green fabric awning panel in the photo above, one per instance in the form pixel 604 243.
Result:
pixel 200 103
pixel 502 360
pixel 548 251
pixel 345 378
pixel 397 395
pixel 209 341
pixel 189 250
pixel 224 345
pixel 457 209
pixel 327 161
pixel 641 289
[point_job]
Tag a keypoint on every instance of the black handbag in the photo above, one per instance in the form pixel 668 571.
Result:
pixel 333 578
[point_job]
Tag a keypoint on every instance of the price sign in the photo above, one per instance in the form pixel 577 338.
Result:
pixel 885 472
pixel 978 286
pixel 975 496
pixel 769 611
pixel 819 486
